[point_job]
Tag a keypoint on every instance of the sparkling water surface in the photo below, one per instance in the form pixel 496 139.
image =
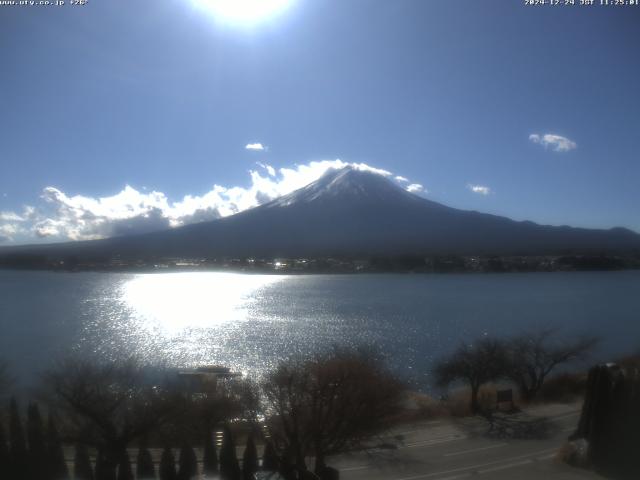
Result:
pixel 250 322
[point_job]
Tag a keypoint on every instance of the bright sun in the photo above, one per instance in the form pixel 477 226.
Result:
pixel 243 11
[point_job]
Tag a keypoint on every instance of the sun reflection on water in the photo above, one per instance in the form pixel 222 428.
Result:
pixel 172 303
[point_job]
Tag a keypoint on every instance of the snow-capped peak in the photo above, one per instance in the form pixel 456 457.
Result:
pixel 348 183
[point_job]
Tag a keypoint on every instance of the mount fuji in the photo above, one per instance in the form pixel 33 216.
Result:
pixel 351 212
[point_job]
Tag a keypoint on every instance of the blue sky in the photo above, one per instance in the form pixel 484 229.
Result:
pixel 163 97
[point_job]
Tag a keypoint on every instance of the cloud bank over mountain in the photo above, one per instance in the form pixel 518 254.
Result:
pixel 58 215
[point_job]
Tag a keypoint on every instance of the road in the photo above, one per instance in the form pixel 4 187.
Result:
pixel 451 450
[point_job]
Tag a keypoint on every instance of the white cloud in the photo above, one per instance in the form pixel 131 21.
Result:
pixel 270 170
pixel 557 143
pixel 479 189
pixel 6 232
pixel 255 146
pixel 48 228
pixel 12 223
pixel 402 179
pixel 415 188
pixel 61 216
pixel 85 218
pixel 10 217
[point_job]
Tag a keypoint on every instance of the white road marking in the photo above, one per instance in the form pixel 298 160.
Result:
pixel 547 457
pixel 456 477
pixel 359 467
pixel 505 466
pixel 436 441
pixel 479 449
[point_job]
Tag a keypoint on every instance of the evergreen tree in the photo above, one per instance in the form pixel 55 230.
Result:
pixel 249 460
pixel 210 456
pixel 124 467
pixel 144 468
pixel 229 468
pixel 18 455
pixel 270 458
pixel 101 467
pixel 55 454
pixel 188 463
pixel 4 452
pixel 287 471
pixel 168 465
pixel 105 468
pixel 82 463
pixel 37 446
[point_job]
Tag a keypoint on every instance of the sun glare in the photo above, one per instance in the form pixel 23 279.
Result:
pixel 243 11
pixel 174 302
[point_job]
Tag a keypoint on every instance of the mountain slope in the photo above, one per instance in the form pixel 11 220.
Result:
pixel 353 212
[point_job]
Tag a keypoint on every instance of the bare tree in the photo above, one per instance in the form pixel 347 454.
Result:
pixel 533 356
pixel 477 363
pixel 107 405
pixel 201 414
pixel 328 405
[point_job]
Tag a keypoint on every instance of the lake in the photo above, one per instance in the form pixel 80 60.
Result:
pixel 250 322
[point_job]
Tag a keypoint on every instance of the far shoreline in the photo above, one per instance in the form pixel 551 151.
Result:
pixel 337 269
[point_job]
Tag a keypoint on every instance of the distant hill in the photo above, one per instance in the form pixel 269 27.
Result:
pixel 352 213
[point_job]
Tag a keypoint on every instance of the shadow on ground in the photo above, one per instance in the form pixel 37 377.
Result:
pixel 514 426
